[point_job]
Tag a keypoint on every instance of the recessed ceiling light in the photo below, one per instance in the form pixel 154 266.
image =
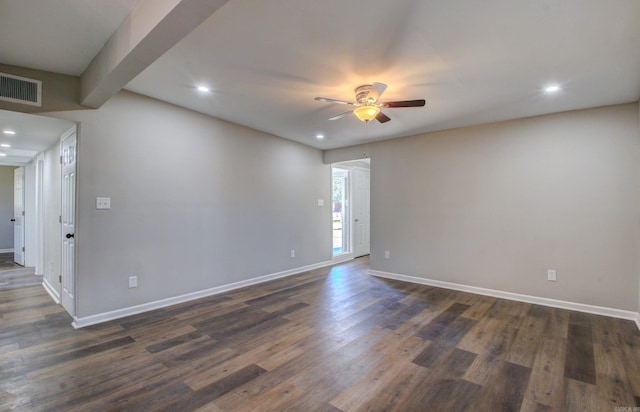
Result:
pixel 319 136
pixel 2 154
pixel 552 88
pixel 203 89
pixel 5 145
pixel 8 132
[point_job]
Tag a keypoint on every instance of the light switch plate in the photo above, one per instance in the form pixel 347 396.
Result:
pixel 103 203
pixel 320 202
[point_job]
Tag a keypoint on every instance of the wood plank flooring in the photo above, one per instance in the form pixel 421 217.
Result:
pixel 332 339
pixel 6 261
pixel 15 276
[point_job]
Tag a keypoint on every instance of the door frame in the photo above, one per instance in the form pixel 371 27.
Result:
pixel 18 247
pixel 40 222
pixel 364 200
pixel 350 166
pixel 346 217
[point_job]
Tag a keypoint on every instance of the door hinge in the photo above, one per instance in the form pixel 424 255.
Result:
pixel 60 278
pixel 23 248
pixel 60 159
pixel 59 219
pixel 23 213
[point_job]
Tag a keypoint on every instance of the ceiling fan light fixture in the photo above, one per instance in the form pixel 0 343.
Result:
pixel 366 113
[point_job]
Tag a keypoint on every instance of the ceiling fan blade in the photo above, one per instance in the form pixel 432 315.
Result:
pixel 376 91
pixel 405 103
pixel 341 115
pixel 327 100
pixel 382 118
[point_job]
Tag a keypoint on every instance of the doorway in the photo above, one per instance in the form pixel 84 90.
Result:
pixel 350 223
pixel 35 148
pixel 18 216
pixel 340 210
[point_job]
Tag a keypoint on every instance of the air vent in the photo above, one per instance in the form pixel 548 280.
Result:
pixel 18 89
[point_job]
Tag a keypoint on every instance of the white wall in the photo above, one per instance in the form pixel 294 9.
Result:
pixel 196 203
pixel 51 203
pixel 495 206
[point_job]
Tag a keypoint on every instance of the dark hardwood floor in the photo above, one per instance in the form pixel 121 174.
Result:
pixel 327 340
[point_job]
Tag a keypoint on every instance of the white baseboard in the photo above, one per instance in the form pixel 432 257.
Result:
pixel 580 307
pixel 345 257
pixel 51 291
pixel 81 322
pixel 6 250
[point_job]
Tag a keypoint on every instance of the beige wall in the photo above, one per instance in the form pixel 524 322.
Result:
pixel 495 206
pixel 6 207
pixel 59 91
pixel 196 203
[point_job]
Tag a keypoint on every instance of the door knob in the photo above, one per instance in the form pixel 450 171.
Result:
pixel 70 235
pixel 356 220
pixel 13 220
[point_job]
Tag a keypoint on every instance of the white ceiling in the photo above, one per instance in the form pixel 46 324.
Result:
pixel 34 134
pixel 474 61
pixel 60 36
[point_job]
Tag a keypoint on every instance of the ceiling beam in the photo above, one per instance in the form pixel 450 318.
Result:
pixel 152 28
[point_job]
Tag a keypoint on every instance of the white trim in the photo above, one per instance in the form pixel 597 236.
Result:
pixel 343 257
pixel 580 307
pixel 81 322
pixel 51 291
pixel 6 250
pixel 39 212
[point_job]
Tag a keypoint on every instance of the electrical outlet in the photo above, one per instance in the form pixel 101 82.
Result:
pixel 103 203
pixel 133 282
pixel 551 275
pixel 293 253
pixel 387 254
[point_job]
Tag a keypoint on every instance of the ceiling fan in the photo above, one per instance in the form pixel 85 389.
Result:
pixel 367 106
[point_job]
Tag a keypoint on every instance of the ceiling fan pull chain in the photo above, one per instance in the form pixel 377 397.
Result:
pixel 366 140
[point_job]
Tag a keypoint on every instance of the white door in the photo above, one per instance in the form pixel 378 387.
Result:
pixel 361 193
pixel 18 215
pixel 68 222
